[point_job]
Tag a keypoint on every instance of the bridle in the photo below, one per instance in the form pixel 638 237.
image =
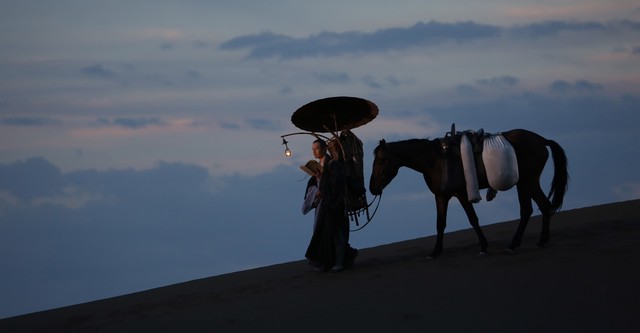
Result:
pixel 379 197
pixel 370 218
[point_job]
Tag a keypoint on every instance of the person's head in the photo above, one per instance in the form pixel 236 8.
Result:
pixel 319 148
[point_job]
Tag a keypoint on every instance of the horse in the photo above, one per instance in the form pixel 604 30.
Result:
pixel 427 157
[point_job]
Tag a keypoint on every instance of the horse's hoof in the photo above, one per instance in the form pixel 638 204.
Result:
pixel 510 250
pixel 482 253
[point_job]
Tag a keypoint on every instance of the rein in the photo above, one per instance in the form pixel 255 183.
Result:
pixel 369 218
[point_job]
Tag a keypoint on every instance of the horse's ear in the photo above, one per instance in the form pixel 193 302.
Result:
pixel 383 142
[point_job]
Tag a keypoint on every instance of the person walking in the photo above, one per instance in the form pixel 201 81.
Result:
pixel 329 247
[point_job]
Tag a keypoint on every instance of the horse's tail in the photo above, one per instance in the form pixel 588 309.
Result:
pixel 560 182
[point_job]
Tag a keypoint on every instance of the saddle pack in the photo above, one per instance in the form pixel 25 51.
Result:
pixel 352 155
pixel 484 158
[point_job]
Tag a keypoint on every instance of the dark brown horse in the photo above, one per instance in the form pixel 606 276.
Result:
pixel 427 157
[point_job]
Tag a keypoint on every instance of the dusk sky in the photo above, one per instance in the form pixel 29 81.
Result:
pixel 140 140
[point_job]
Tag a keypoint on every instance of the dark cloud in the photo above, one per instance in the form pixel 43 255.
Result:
pixel 266 45
pixel 251 41
pixel 627 24
pixel 560 87
pixel 558 114
pixel 131 122
pixel 29 121
pixel 500 81
pixel 98 71
pixel 579 86
pixel 129 184
pixel 31 178
pixel 552 28
pixel 467 90
pixel 636 50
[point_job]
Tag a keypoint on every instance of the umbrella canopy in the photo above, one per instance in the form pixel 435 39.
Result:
pixel 334 114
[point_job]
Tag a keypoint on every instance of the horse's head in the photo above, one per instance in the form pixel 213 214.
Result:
pixel 384 168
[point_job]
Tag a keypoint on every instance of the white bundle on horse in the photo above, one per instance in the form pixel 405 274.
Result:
pixel 500 162
pixel 469 168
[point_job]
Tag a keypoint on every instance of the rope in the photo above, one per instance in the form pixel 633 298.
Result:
pixel 370 218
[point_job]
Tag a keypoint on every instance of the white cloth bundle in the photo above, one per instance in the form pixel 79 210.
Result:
pixel 500 162
pixel 469 167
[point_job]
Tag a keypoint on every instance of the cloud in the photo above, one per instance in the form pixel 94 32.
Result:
pixel 500 81
pixel 271 45
pixel 31 178
pixel 131 123
pixel 251 41
pixel 552 28
pixel 481 87
pixel 579 86
pixel 98 71
pixel 267 44
pixel 467 90
pixel 582 114
pixel 29 121
pixel 85 228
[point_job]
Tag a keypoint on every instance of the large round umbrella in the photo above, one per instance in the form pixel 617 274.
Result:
pixel 334 114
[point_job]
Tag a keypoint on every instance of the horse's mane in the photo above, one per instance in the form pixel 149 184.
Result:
pixel 408 143
pixel 411 149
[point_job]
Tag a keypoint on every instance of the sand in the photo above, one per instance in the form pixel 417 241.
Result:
pixel 586 280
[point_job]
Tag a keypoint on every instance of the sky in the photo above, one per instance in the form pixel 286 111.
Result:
pixel 140 141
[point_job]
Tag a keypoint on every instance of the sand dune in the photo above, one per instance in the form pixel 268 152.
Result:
pixel 586 280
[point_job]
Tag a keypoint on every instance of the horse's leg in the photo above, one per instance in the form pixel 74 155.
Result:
pixel 526 209
pixel 473 219
pixel 545 209
pixel 442 204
